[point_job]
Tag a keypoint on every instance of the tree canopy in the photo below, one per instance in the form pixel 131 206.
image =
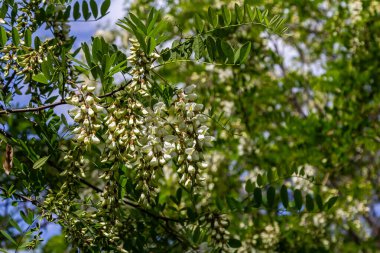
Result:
pixel 203 126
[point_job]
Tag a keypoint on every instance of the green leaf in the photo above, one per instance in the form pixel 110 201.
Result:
pixel 274 19
pixel 104 7
pixel 257 197
pixel 28 37
pixel 138 23
pixel 284 196
pixel 37 42
pixel 249 187
pixel 85 10
pixel 228 51
pixel 15 36
pixel 151 45
pixel 248 12
pixel 196 234
pixel 260 180
pixel 199 25
pixel 331 202
pixel 27 218
pixel 4 10
pixel 15 225
pixel 298 199
pixel 67 12
pixel 226 15
pixel 6 235
pixel 244 51
pixel 76 13
pixel 270 176
pixel 239 14
pixel 41 78
pixel 87 54
pixel 152 20
pixel 271 193
pixel 212 17
pixel 179 195
pixel 319 201
pixel 40 162
pixel 211 48
pixel 94 8
pixel 234 243
pixel 309 203
pixel 3 36
pixel 198 47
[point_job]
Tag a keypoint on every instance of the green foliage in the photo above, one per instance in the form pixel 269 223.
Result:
pixel 214 140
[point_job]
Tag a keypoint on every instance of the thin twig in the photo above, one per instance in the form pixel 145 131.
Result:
pixel 62 102
pixel 25 198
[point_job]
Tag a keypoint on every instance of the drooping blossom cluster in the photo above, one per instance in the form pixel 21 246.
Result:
pixel 85 114
pixel 142 135
pixel 218 224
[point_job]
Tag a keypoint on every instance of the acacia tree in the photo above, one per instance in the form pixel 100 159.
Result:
pixel 182 139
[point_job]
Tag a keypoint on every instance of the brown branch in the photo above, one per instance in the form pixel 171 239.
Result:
pixel 62 102
pixel 32 109
pixel 24 198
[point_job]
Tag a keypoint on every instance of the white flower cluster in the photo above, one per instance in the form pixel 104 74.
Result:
pixel 355 7
pixel 269 237
pixel 218 224
pixel 85 113
pixel 144 137
pixel 141 66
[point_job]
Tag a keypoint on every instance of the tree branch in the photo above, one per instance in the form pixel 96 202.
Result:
pixel 24 198
pixel 62 102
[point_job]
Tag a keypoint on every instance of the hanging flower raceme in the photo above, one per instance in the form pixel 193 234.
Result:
pixel 85 114
pixel 146 137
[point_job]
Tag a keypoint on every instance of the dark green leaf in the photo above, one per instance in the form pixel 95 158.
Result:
pixel 179 195
pixel 212 17
pixel 67 12
pixel 331 202
pixel 271 193
pixel 15 225
pixel 257 197
pixel 85 10
pixel 28 37
pixel 249 187
pixel 6 235
pixel 260 181
pixel 94 8
pixel 284 196
pixel 15 36
pixel 4 10
pixel 196 234
pixel 228 51
pixel 104 7
pixel 298 199
pixel 211 48
pixel 309 203
pixel 319 201
pixel 199 25
pixel 234 243
pixel 76 13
